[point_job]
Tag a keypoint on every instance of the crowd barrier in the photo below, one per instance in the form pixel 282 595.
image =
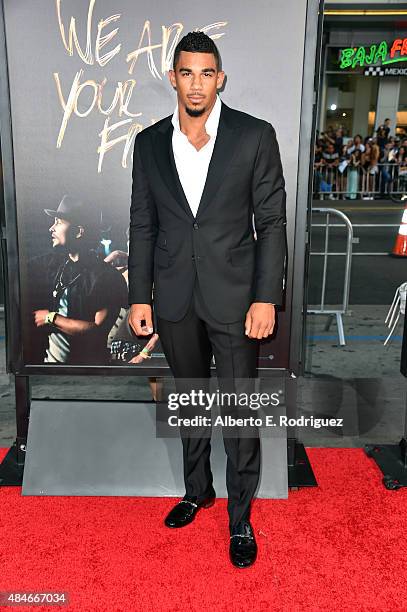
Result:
pixel 354 183
pixel 325 253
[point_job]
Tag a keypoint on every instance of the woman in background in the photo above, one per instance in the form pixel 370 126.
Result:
pixel 353 174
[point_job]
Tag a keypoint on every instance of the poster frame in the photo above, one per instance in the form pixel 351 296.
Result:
pixel 297 259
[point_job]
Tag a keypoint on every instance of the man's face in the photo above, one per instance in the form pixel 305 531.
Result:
pixel 60 232
pixel 196 80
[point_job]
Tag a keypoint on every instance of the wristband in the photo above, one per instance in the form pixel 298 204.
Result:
pixel 50 317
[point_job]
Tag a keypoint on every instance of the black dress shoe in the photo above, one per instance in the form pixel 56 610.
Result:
pixel 243 547
pixel 185 511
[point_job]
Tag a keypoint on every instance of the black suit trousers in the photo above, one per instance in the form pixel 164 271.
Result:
pixel 189 345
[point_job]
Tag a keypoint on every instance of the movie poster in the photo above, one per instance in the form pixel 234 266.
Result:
pixel 85 77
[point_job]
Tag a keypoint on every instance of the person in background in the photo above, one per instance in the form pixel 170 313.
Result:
pixel 335 137
pixel 387 167
pixel 354 174
pixel 342 170
pixel 402 169
pixel 318 163
pixel 339 140
pixel 357 144
pixel 331 161
pixel 370 160
pixel 382 134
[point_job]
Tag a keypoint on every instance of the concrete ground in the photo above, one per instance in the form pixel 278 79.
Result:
pixel 359 382
pixel 364 354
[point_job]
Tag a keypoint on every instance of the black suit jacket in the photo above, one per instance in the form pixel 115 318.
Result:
pixel 168 246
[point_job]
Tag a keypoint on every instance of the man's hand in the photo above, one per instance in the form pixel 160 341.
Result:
pixel 260 319
pixel 39 317
pixel 118 259
pixel 145 353
pixel 138 313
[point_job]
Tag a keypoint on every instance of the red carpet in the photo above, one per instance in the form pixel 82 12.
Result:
pixel 338 547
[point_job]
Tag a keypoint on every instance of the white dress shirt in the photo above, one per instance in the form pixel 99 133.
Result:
pixel 192 165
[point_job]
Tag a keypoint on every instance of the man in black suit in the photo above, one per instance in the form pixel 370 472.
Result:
pixel 199 176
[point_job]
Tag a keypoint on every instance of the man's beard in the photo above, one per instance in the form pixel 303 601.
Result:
pixel 195 112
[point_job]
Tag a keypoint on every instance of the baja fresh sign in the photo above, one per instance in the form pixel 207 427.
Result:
pixel 381 54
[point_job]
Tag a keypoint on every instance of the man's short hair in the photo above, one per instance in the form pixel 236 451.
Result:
pixel 197 42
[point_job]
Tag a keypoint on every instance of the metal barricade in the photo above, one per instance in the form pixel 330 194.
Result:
pixel 348 263
pixel 357 183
